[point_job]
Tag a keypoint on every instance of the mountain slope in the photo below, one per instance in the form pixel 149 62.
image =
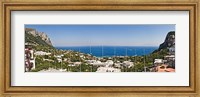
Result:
pixel 169 41
pixel 37 38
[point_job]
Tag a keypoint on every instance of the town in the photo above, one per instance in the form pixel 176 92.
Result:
pixel 73 61
pixel 41 56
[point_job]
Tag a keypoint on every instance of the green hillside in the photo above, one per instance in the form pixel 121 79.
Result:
pixel 39 44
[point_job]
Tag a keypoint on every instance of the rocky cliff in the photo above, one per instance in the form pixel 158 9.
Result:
pixel 38 35
pixel 45 38
pixel 169 41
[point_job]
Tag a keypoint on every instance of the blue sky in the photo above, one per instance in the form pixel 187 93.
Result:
pixel 107 35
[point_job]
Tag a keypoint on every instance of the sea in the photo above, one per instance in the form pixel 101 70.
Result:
pixel 109 51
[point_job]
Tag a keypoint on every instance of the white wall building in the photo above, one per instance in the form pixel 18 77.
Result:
pixel 108 69
pixel 128 64
pixel 96 63
pixel 41 53
pixel 77 63
pixel 109 63
pixel 158 62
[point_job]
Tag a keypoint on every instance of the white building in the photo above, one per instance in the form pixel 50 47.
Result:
pixel 48 60
pixel 158 62
pixel 71 65
pixel 170 60
pixel 169 57
pixel 90 61
pixel 109 63
pixel 96 63
pixel 65 59
pixel 108 69
pixel 128 64
pixel 41 53
pixel 77 63
pixel 118 65
pixel 54 70
pixel 59 57
pixel 172 49
pixel 59 60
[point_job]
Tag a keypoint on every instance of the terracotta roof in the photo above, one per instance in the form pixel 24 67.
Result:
pixel 159 69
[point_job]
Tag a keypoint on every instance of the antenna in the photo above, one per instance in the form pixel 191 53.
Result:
pixel 126 55
pixel 114 52
pixel 90 49
pixel 79 58
pixel 102 50
pixel 135 58
pixel 61 63
pixel 126 51
pixel 144 62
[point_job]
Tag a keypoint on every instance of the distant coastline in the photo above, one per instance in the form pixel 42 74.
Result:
pixel 109 51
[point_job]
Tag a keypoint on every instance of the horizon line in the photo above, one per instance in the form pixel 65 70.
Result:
pixel 103 45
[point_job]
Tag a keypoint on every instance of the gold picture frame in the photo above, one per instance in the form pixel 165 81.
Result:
pixel 96 5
